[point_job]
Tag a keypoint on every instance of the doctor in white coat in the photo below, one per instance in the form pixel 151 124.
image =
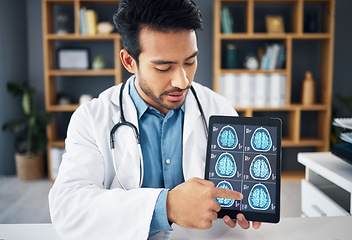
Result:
pixel 92 200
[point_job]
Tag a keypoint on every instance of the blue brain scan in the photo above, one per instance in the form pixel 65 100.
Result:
pixel 261 140
pixel 225 202
pixel 260 168
pixel 227 138
pixel 259 197
pixel 226 166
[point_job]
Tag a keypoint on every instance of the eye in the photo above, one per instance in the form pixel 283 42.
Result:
pixel 163 70
pixel 191 63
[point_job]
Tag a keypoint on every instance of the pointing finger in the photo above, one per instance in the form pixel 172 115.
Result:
pixel 227 193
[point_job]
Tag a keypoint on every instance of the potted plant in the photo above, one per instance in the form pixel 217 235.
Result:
pixel 30 134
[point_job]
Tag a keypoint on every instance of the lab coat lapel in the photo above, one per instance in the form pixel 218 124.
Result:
pixel 192 114
pixel 126 151
pixel 194 140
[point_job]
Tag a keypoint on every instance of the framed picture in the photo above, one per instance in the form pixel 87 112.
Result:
pixel 73 58
pixel 274 24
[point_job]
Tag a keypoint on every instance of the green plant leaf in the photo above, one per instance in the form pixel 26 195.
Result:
pixel 15 89
pixel 30 131
pixel 15 126
pixel 27 103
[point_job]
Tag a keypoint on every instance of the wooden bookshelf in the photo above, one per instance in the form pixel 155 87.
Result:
pixel 52 75
pixel 250 31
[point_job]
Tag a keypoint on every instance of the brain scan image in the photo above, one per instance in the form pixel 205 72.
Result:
pixel 260 168
pixel 226 166
pixel 227 138
pixel 261 140
pixel 259 197
pixel 225 202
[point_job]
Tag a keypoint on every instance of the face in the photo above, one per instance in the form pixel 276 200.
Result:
pixel 167 65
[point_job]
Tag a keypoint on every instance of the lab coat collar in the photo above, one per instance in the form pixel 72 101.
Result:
pixel 190 106
pixel 192 114
pixel 130 114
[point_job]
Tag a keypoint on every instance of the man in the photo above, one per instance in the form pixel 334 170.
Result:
pixel 96 194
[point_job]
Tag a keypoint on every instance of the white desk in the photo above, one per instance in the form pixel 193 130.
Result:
pixel 322 228
pixel 327 188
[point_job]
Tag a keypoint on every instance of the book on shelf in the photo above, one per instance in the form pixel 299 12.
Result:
pixel 82 21
pixel 274 57
pixel 88 21
pixel 245 94
pixel 55 160
pixel 277 90
pixel 92 21
pixel 229 84
pixel 254 90
pixel 226 20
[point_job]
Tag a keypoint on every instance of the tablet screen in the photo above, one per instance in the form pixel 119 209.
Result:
pixel 244 155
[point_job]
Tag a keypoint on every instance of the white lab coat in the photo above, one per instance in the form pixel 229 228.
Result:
pixel 86 200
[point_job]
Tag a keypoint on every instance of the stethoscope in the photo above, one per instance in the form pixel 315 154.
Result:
pixel 123 122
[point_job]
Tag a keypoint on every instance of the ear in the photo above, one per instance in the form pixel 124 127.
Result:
pixel 128 61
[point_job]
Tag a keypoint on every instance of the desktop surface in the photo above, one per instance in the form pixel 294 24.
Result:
pixel 322 228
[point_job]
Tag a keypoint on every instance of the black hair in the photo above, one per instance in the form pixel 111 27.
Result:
pixel 160 15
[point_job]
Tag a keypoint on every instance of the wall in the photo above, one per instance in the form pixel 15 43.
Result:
pixel 204 74
pixel 343 52
pixel 13 67
pixel 35 50
pixel 26 14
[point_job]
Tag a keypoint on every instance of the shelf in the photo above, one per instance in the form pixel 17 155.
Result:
pixel 311 142
pixel 312 36
pixel 89 72
pixel 254 36
pixel 57 80
pixel 62 108
pixel 272 36
pixel 58 143
pixel 61 1
pixel 292 107
pixel 77 37
pixel 292 175
pixel 100 1
pixel 81 1
pixel 239 71
pixel 304 51
pixel 274 1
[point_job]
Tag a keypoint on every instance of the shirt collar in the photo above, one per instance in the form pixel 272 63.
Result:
pixel 140 104
pixel 138 101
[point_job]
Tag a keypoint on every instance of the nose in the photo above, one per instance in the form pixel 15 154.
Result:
pixel 180 79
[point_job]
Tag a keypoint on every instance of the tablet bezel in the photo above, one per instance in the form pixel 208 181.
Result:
pixel 254 121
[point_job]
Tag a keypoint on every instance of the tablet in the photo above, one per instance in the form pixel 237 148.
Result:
pixel 244 155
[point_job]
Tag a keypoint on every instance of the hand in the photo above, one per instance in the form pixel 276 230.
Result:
pixel 192 204
pixel 241 221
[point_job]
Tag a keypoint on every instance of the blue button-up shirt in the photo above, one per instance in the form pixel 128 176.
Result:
pixel 161 142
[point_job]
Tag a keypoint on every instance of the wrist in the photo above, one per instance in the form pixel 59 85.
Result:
pixel 169 209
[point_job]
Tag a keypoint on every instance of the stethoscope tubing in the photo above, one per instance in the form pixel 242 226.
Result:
pixel 123 122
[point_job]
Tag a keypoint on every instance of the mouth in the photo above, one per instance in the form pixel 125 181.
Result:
pixel 176 96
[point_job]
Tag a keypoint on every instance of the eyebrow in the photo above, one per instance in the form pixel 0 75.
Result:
pixel 162 62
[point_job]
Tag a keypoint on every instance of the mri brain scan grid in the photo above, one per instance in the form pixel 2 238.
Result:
pixel 243 159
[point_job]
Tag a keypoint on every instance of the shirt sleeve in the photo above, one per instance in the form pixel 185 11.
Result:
pixel 159 221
